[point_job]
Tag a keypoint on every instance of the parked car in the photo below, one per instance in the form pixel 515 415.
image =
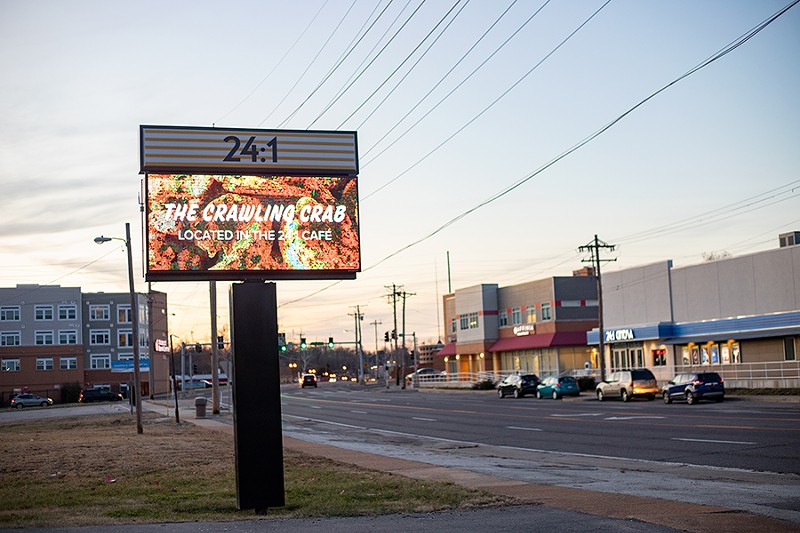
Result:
pixel 518 385
pixel 627 384
pixel 99 395
pixel 426 374
pixel 558 387
pixel 693 387
pixel 21 401
pixel 309 380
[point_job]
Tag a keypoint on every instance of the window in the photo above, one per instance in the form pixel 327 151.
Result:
pixel 99 336
pixel 124 314
pixel 464 322
pixel 473 321
pixel 100 362
pixel 10 338
pixel 502 318
pixel 516 316
pixel 42 338
pixel 44 363
pixel 453 325
pixel 69 336
pixel 99 312
pixel 547 313
pixel 659 357
pixel 9 313
pixel 531 317
pixel 788 349
pixel 9 365
pixel 736 355
pixel 125 338
pixel 68 363
pixel 43 312
pixel 67 312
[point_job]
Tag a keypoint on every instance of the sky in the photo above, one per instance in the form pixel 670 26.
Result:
pixel 483 158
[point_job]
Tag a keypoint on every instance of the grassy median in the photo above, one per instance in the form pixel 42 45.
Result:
pixel 96 470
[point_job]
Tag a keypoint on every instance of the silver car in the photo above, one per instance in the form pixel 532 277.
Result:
pixel 29 400
pixel 627 384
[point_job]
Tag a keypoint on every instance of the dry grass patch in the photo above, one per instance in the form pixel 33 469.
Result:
pixel 95 470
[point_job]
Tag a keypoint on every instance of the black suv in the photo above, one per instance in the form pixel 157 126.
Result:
pixel 98 395
pixel 518 385
pixel 694 386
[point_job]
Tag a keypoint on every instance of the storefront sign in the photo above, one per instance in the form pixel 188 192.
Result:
pixel 619 335
pixel 161 345
pixel 524 329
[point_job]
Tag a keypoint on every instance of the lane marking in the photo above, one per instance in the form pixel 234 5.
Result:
pixel 633 417
pixel 315 406
pixel 715 441
pixel 423 419
pixel 579 414
pixel 524 429
pixel 359 412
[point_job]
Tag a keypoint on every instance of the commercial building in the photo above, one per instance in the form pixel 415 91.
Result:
pixel 539 326
pixel 56 340
pixel 736 316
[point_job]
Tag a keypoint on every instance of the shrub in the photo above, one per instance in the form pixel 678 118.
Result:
pixel 486 384
pixel 586 383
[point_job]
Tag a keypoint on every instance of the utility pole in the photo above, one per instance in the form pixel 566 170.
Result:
pixel 376 323
pixel 358 318
pixel 404 295
pixel 212 293
pixel 593 247
pixel 393 296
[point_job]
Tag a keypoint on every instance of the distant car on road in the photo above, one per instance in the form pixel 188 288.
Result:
pixel 627 384
pixel 98 395
pixel 693 387
pixel 426 374
pixel 518 385
pixel 21 401
pixel 309 380
pixel 558 387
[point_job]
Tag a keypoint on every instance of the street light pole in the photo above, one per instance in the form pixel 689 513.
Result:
pixel 174 379
pixel 137 380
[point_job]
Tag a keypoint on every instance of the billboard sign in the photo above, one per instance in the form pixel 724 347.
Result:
pixel 199 150
pixel 235 227
pixel 236 204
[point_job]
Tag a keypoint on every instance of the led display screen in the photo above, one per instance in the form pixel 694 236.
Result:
pixel 238 227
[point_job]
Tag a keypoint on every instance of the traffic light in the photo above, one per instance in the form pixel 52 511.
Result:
pixel 283 347
pixel 194 368
pixel 413 355
pixel 303 343
pixel 198 348
pixel 394 333
pixel 330 342
pixel 220 342
pixel 386 336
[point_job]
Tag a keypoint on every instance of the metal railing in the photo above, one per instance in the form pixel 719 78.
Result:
pixel 768 374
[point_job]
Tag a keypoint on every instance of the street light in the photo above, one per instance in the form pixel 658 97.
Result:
pixel 174 379
pixel 137 387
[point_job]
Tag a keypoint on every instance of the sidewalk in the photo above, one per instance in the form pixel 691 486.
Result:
pixel 667 513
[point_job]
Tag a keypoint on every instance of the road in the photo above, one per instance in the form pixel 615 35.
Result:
pixel 740 454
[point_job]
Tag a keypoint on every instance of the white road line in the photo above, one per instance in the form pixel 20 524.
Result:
pixel 315 407
pixel 715 441
pixel 579 414
pixel 423 419
pixel 524 429
pixel 633 417
pixel 359 412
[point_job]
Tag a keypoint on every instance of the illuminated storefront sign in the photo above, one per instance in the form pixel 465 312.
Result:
pixel 524 329
pixel 619 335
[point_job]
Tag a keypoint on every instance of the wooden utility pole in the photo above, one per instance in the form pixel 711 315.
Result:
pixel 593 248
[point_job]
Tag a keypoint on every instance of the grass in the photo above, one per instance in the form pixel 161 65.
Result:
pixel 98 471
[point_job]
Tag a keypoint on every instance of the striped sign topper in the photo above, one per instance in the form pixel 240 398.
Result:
pixel 202 150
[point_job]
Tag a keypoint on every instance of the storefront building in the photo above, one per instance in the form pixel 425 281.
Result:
pixel 535 327
pixel 738 316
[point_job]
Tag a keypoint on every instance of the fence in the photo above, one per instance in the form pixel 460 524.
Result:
pixel 766 375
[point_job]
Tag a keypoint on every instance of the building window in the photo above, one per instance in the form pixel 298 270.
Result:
pixel 516 316
pixel 547 313
pixel 531 314
pixel 125 338
pixel 68 363
pixel 43 312
pixel 788 349
pixel 99 312
pixel 502 318
pixel 100 362
pixel 453 325
pixel 10 338
pixel 124 314
pixel 99 337
pixel 69 336
pixel 9 365
pixel 67 312
pixel 660 357
pixel 464 322
pixel 9 313
pixel 473 321
pixel 43 338
pixel 44 363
